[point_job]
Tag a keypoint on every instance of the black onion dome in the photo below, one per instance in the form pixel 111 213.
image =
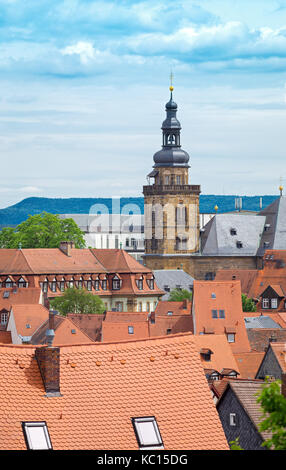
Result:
pixel 171 154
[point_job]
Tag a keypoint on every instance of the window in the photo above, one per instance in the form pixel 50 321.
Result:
pixel 233 231
pixel 119 306
pixel 71 284
pixel 89 285
pixel 8 283
pixel 147 433
pixel 116 283
pixel 37 436
pixel 96 284
pixel 169 331
pixel 274 303
pixel 140 307
pixel 6 295
pixel 151 283
pixel 214 313
pixel 104 284
pixel 239 244
pixel 79 284
pixel 167 288
pixel 170 313
pixel 221 314
pixel 148 306
pixel 54 286
pixel 130 330
pixel 265 303
pixel 45 286
pixel 178 180
pixel 21 282
pixel 4 318
pixel 213 295
pixel 167 179
pixel 62 286
pixel 232 419
pixel 140 284
pixel 231 337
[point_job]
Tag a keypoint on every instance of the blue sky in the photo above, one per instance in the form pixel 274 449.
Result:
pixel 84 84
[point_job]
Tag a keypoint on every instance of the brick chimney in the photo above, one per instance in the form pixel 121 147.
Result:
pixel 48 359
pixel 283 384
pixel 66 247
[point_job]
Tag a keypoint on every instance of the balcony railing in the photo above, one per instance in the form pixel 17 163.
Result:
pixel 171 188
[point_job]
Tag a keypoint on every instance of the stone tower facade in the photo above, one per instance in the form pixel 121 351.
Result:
pixel 171 204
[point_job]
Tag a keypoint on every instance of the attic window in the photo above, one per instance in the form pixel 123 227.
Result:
pixel 130 330
pixel 147 433
pixel 239 244
pixel 170 313
pixel 233 231
pixel 232 419
pixel 6 295
pixel 36 435
pixel 28 325
pixel 167 288
pixel 73 332
pixel 213 295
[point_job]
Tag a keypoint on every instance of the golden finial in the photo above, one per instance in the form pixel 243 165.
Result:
pixel 281 187
pixel 216 208
pixel 171 88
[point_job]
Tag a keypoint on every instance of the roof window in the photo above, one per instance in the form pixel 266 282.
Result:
pixel 213 295
pixel 37 435
pixel 233 231
pixel 147 433
pixel 239 244
pixel 131 330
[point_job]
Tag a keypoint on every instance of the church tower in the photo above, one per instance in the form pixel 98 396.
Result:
pixel 171 204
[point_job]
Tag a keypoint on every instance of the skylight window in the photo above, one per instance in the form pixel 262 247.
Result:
pixel 131 330
pixel 37 435
pixel 147 433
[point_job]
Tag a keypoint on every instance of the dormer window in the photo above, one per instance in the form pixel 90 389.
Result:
pixel 139 283
pixel 45 286
pixel 96 284
pixel 8 283
pixel 22 282
pixel 79 284
pixel 4 318
pixel 89 285
pixel 150 283
pixel 265 303
pixel 104 284
pixel 116 283
pixel 54 285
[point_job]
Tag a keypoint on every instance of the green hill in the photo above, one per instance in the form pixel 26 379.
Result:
pixel 13 215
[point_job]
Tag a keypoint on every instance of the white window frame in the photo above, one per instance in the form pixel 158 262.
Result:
pixel 28 437
pixel 231 337
pixel 274 302
pixel 232 419
pixel 265 302
pixel 4 318
pixel 138 428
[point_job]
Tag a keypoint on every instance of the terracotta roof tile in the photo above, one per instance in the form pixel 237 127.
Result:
pixel 97 402
pixel 249 363
pixel 220 296
pixel 259 337
pixel 222 357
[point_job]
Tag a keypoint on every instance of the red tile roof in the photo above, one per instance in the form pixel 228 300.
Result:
pixel 102 387
pixel 222 356
pixel 23 295
pixel 249 363
pixel 177 308
pixel 220 295
pixel 118 261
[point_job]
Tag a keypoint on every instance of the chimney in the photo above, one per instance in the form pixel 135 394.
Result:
pixel 66 247
pixel 283 384
pixel 48 359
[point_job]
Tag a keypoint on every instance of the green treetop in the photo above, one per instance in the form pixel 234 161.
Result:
pixel 42 231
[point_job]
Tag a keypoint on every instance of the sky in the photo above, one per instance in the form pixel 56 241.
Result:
pixel 84 85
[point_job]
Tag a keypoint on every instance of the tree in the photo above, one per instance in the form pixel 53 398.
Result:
pixel 177 295
pixel 77 301
pixel 42 231
pixel 273 404
pixel 248 305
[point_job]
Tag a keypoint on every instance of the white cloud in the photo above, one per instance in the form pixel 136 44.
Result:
pixel 85 50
